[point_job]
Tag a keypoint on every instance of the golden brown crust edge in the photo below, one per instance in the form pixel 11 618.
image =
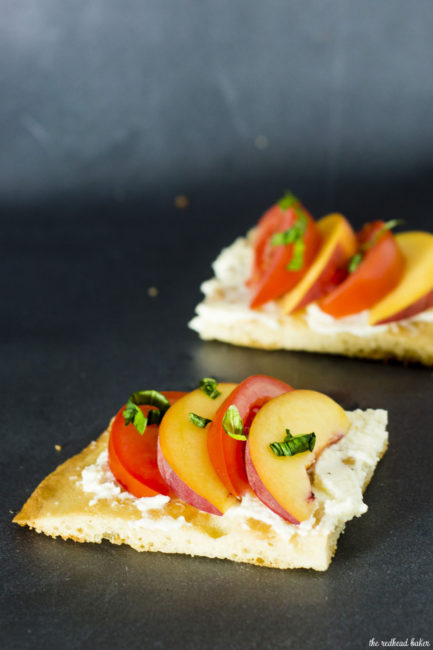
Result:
pixel 45 496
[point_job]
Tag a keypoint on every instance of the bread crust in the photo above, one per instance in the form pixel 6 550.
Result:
pixel 407 344
pixel 60 507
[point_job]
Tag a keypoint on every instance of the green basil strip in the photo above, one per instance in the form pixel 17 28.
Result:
pixel 129 412
pixel 286 237
pixel 151 398
pixel 209 386
pixel 135 415
pixel 354 262
pixel 294 235
pixel 297 260
pixel 232 423
pixel 154 416
pixel 388 225
pixel 292 445
pixel 198 420
pixel 301 223
pixel 288 201
pixel 356 259
pixel 393 223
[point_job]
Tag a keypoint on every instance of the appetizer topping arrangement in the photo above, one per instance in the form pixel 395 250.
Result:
pixel 298 284
pixel 299 261
pixel 254 472
pixel 209 447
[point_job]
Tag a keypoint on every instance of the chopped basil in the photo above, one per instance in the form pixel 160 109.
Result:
pixel 292 445
pixel 129 412
pixel 135 415
pixel 293 235
pixel 232 423
pixel 288 201
pixel 198 420
pixel 154 416
pixel 150 397
pixel 354 262
pixel 393 223
pixel 209 386
pixel 356 259
pixel 388 225
pixel 297 260
pixel 285 237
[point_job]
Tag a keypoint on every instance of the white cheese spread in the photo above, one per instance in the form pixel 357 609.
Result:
pixel 338 480
pixel 356 324
pixel 98 481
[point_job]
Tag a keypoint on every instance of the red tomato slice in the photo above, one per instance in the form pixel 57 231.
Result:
pixel 132 457
pixel 226 453
pixel 270 277
pixel 380 271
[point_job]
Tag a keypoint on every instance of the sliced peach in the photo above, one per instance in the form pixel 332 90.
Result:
pixel 338 245
pixel 414 292
pixel 183 458
pixel 282 482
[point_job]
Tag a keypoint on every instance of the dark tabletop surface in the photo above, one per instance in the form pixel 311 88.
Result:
pixel 108 111
pixel 78 335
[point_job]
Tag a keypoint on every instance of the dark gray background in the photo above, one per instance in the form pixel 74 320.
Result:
pixel 150 98
pixel 107 112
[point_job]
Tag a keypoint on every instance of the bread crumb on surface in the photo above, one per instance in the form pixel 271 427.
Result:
pixel 181 201
pixel 261 142
pixel 58 447
pixel 152 292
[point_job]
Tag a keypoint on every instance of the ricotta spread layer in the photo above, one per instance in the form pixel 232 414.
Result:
pixel 227 301
pixel 338 478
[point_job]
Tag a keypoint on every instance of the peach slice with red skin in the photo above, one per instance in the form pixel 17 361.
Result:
pixel 183 458
pixel 414 292
pixel 338 245
pixel 282 483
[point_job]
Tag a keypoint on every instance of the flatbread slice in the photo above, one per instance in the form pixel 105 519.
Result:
pixel 81 500
pixel 224 315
